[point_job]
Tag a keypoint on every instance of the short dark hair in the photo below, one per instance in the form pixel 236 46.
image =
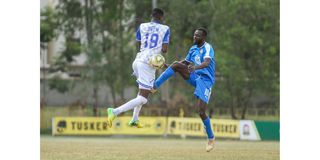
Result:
pixel 204 31
pixel 157 13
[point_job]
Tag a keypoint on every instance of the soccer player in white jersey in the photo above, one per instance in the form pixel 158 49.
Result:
pixel 152 38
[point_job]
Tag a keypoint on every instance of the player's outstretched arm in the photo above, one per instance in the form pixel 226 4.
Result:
pixel 204 64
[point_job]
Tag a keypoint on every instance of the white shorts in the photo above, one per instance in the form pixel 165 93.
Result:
pixel 145 74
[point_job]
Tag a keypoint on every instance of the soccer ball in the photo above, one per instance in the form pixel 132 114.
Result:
pixel 157 61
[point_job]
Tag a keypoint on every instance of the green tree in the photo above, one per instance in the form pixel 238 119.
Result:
pixel 47 25
pixel 251 34
pixel 103 31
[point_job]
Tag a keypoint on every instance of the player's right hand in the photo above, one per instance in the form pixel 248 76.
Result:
pixel 191 68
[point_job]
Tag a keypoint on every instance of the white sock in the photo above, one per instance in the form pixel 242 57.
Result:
pixel 139 100
pixel 136 112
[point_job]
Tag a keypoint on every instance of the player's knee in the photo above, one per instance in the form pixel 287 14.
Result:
pixel 175 62
pixel 202 113
pixel 176 66
pixel 142 100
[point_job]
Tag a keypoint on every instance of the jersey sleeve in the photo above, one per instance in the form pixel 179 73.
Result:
pixel 166 36
pixel 138 34
pixel 209 52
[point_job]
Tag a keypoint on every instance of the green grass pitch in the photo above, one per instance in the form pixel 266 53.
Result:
pixel 117 148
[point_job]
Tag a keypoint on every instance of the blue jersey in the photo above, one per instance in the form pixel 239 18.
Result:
pixel 197 55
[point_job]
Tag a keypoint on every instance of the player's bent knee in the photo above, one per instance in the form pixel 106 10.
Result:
pixel 177 66
pixel 203 116
pixel 142 100
pixel 174 64
pixel 202 113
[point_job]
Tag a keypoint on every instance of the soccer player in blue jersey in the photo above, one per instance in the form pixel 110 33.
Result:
pixel 198 69
pixel 152 38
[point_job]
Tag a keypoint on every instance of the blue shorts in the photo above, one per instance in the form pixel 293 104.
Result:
pixel 203 86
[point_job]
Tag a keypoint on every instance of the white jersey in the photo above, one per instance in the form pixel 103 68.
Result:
pixel 151 35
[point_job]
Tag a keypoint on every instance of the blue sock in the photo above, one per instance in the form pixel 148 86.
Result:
pixel 169 72
pixel 207 125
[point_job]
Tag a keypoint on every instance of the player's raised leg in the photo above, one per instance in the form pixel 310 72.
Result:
pixel 170 71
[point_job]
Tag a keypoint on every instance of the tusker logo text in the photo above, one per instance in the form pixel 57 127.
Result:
pixel 222 128
pixel 94 126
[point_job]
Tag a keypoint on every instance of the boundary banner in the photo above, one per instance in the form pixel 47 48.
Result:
pixel 99 126
pixel 222 128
